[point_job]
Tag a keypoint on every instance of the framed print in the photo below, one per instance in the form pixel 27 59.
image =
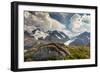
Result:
pixel 52 36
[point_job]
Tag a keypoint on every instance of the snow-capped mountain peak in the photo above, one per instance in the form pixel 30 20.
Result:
pixel 39 34
pixel 82 39
pixel 57 36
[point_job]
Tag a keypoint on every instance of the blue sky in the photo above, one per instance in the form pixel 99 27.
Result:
pixel 82 19
pixel 72 24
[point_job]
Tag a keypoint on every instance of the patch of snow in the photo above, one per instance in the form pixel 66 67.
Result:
pixel 58 37
pixel 62 35
pixel 68 42
pixel 40 34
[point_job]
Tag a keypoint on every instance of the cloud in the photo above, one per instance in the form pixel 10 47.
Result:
pixel 75 22
pixel 41 20
pixel 80 23
pixel 86 22
pixel 86 18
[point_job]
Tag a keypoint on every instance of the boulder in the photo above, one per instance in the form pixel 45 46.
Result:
pixel 49 52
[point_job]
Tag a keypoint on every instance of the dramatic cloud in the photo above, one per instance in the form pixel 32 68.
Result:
pixel 80 23
pixel 41 20
pixel 86 22
pixel 75 22
pixel 73 25
pixel 86 19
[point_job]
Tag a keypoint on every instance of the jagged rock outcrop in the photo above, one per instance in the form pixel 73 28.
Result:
pixel 50 51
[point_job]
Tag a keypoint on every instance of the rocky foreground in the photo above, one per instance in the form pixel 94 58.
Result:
pixel 56 51
pixel 50 51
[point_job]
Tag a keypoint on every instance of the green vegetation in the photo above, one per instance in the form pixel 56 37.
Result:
pixel 28 54
pixel 78 52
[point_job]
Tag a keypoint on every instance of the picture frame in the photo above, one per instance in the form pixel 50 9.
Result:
pixel 44 20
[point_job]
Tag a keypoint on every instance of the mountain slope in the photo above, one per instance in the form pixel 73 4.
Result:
pixel 82 39
pixel 57 36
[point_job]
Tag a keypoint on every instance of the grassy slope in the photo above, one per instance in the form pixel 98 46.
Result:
pixel 78 52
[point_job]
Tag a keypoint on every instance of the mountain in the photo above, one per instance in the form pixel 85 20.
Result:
pixel 38 34
pixel 33 39
pixel 84 34
pixel 82 39
pixel 57 36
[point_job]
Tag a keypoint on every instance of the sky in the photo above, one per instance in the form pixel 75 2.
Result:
pixel 75 23
pixel 73 20
pixel 72 24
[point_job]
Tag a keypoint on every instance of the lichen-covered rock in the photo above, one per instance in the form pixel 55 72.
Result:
pixel 49 52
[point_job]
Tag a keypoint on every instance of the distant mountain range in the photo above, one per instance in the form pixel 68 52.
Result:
pixel 50 27
pixel 60 37
pixel 37 36
pixel 57 36
pixel 82 39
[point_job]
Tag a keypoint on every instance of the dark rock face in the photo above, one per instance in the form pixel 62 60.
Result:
pixel 28 43
pixel 46 54
pixel 57 36
pixel 49 52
